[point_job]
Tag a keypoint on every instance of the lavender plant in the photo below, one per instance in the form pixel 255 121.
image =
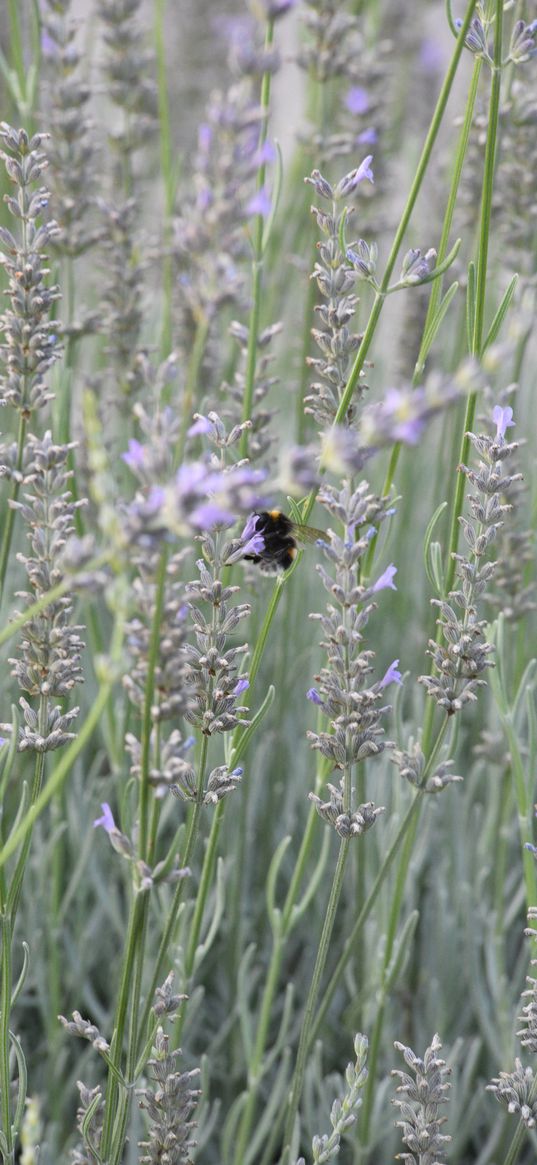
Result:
pixel 167 877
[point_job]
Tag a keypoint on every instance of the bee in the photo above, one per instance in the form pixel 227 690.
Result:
pixel 280 535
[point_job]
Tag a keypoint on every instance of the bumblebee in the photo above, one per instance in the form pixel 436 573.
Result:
pixel 280 535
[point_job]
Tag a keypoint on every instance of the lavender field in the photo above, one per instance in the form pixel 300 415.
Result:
pixel 268 759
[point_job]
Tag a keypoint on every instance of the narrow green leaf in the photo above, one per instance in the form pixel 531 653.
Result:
pixel 430 556
pixel 430 333
pixel 500 314
pixel 470 308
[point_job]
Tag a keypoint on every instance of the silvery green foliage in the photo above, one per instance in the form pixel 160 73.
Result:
pixel 419 1109
pixel 343 1114
pixel 260 436
pixel 343 691
pixel 166 1002
pixel 512 591
pixel 172 692
pixel 462 654
pixel 86 1031
pixel 30 346
pixel 345 823
pixel 334 42
pixel 89 1119
pixel 170 1105
pixel 210 239
pixel 211 668
pixel 127 70
pixel 411 765
pixel 72 151
pixel 48 664
pixel 517 1090
pixel 336 279
pixel 335 53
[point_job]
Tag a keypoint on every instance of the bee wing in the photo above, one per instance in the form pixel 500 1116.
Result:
pixel 307 533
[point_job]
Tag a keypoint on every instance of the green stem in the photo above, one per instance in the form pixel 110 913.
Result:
pixel 481 280
pixel 406 215
pixel 271 986
pixel 49 597
pixel 59 775
pixel 9 516
pixel 318 971
pixel 149 692
pixel 116 1051
pixel 406 824
pixel 171 920
pixel 191 384
pixel 166 167
pixel 5 1004
pixel 257 262
pixel 436 291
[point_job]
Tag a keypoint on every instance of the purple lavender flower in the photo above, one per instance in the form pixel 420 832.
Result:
pixel 503 419
pixel 276 8
pixel 260 203
pixel 357 99
pixel 431 55
pixel 253 540
pixel 205 137
pixel 368 137
pixel 313 695
pixel 385 580
pixel 2 741
pixel 266 154
pixel 135 455
pixel 107 819
pixel 392 675
pixel 200 426
pixel 354 177
pixel 241 686
pixel 210 514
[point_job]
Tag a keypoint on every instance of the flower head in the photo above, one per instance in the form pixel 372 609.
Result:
pixel 107 819
pixel 385 580
pixel 503 419
pixel 357 99
pixel 392 675
pixel 260 203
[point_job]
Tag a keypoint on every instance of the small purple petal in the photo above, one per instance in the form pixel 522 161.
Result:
pixel 250 528
pixel 431 55
pixel 386 579
pixel 313 695
pixel 357 100
pixel 240 687
pixel 207 515
pixel 205 137
pixel 135 455
pixel 107 819
pixel 237 772
pixel 259 204
pixel 364 170
pixel 156 498
pixel 201 425
pixel 368 137
pixel 266 154
pixel 2 741
pixel 392 676
pixel 503 419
